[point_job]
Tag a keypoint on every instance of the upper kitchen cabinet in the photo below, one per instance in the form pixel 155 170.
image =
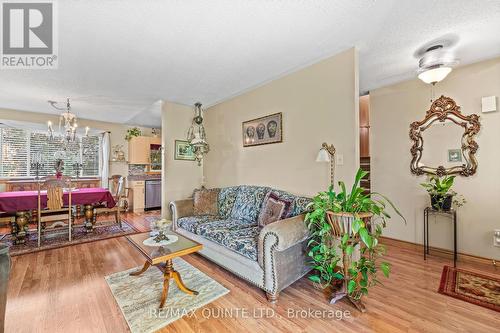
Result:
pixel 140 149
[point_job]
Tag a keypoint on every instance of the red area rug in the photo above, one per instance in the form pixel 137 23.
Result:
pixel 475 288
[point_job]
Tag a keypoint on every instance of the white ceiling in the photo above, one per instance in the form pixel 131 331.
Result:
pixel 118 58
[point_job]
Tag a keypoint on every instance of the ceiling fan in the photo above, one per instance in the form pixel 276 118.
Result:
pixel 435 64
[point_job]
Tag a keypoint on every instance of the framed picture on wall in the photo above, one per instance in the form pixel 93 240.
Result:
pixel 454 155
pixel 183 151
pixel 262 131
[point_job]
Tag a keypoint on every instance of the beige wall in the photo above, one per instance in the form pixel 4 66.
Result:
pixel 179 178
pixel 392 109
pixel 117 136
pixel 319 103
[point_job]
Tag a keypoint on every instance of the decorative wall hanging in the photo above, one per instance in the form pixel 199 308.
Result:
pixel 196 136
pixel 184 151
pixel 445 110
pixel 262 131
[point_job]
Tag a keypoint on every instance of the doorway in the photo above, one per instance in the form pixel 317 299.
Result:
pixel 364 139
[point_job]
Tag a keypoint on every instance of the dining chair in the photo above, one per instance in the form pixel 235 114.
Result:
pixel 119 192
pixel 55 210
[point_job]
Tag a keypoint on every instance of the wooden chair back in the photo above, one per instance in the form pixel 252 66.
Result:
pixel 116 186
pixel 56 210
pixel 55 191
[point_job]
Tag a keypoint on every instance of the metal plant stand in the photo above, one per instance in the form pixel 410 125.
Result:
pixel 453 214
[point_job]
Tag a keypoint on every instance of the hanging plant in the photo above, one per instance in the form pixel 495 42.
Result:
pixel 132 132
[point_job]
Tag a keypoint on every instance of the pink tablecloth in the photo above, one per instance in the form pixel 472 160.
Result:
pixel 27 200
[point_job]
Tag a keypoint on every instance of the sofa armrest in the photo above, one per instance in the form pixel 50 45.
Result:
pixel 181 208
pixel 283 234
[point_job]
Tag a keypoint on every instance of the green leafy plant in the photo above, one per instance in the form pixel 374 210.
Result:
pixel 326 251
pixel 439 185
pixel 441 193
pixel 132 132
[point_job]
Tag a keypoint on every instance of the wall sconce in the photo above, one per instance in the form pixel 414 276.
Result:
pixel 327 154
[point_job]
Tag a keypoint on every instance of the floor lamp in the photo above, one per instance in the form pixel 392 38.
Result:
pixel 327 154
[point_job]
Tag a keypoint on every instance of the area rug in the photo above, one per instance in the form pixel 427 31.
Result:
pixel 139 296
pixel 59 238
pixel 471 287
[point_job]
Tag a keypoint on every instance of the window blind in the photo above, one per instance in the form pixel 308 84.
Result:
pixel 20 147
pixel 14 152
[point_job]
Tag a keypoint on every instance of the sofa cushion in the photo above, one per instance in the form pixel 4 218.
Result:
pixel 216 230
pixel 227 197
pixel 274 208
pixel 244 241
pixel 236 235
pixel 286 196
pixel 205 202
pixel 248 203
pixel 191 223
pixel 300 205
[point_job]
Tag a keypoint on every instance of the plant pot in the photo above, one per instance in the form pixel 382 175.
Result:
pixel 341 222
pixel 441 202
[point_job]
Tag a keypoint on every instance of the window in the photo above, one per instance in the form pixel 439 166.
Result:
pixel 20 147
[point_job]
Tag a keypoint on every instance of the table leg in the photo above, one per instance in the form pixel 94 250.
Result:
pixel 19 227
pixel 428 240
pixel 168 273
pixel 164 294
pixel 454 239
pixel 425 234
pixel 88 211
pixel 142 270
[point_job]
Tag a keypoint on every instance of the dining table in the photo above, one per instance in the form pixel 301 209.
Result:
pixel 21 203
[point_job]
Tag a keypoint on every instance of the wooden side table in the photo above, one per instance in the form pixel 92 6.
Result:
pixel 451 213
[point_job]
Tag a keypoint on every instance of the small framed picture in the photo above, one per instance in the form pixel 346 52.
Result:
pixel 183 151
pixel 262 131
pixel 454 155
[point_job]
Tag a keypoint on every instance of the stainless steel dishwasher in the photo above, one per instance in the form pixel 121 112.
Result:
pixel 152 197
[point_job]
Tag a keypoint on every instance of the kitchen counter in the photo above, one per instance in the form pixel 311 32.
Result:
pixel 143 177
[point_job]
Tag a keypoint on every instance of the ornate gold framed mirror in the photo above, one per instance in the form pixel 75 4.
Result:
pixel 450 144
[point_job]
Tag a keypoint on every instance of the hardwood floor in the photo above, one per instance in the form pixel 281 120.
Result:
pixel 63 290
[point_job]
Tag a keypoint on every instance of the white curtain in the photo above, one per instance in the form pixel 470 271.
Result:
pixel 105 151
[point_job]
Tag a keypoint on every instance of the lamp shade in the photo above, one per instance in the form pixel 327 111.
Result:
pixel 434 75
pixel 323 156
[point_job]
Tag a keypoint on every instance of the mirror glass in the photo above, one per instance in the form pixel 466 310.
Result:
pixel 443 142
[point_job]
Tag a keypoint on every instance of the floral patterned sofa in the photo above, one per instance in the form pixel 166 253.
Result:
pixel 271 257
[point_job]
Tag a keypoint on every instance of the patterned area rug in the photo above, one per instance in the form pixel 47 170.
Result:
pixel 471 287
pixel 59 238
pixel 139 296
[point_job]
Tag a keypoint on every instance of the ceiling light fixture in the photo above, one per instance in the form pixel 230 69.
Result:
pixel 196 135
pixel 434 75
pixel 67 124
pixel 436 64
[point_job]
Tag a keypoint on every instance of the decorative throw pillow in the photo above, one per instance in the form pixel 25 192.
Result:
pixel 206 202
pixel 274 209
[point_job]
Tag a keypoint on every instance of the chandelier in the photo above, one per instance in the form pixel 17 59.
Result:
pixel 196 135
pixel 67 124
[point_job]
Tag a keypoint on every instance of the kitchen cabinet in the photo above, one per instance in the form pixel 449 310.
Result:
pixel 141 148
pixel 137 195
pixel 138 150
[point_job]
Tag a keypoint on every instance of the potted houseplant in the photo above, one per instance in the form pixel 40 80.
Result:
pixel 343 226
pixel 439 189
pixel 132 132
